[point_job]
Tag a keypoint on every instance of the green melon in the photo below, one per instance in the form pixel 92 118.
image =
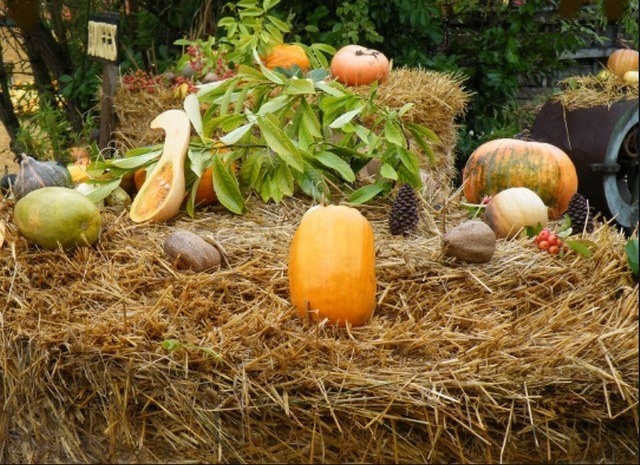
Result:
pixel 57 216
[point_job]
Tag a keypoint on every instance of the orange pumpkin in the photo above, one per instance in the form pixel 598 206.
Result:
pixel 286 56
pixel 623 60
pixel 503 163
pixel 355 65
pixel 331 266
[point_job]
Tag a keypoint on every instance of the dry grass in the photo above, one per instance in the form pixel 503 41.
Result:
pixel 594 90
pixel 108 354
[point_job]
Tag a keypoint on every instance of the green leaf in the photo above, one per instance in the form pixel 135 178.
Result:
pixel 365 193
pixel 226 186
pixel 393 134
pixel 631 248
pixel 423 131
pixel 250 169
pixel 284 179
pixel 312 183
pixel 328 89
pixel 419 139
pixel 333 161
pixel 170 345
pixel 192 109
pixel 300 86
pixel 278 141
pixel 582 246
pixel 101 191
pixel 135 162
pixel 237 134
pixel 270 75
pixel 275 104
pixel 387 171
pixel 409 160
pixel 345 118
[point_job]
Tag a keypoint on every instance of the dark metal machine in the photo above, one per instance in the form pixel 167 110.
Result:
pixel 603 143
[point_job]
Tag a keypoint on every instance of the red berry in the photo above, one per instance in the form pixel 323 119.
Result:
pixel 544 245
pixel 553 249
pixel 552 239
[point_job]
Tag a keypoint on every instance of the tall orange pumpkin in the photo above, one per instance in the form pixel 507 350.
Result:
pixel 286 56
pixel 331 266
pixel 503 163
pixel 355 65
pixel 622 60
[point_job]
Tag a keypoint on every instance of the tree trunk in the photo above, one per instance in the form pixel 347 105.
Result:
pixel 48 58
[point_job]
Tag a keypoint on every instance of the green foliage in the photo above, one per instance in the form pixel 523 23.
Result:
pixel 631 249
pixel 251 27
pixel 307 135
pixel 289 135
pixel 44 132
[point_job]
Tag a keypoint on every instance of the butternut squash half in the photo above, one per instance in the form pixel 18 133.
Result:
pixel 161 195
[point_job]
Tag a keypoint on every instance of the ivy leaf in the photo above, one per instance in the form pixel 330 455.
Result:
pixel 226 186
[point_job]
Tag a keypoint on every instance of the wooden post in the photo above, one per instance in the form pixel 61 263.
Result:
pixel 103 45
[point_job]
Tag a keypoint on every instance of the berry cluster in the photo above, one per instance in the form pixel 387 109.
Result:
pixel 180 80
pixel 551 242
pixel 201 64
pixel 142 81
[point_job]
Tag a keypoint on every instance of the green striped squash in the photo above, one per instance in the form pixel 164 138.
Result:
pixel 503 163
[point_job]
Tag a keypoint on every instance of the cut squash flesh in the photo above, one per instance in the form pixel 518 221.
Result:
pixel 160 196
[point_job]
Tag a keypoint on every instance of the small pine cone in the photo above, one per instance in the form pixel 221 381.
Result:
pixel 581 214
pixel 403 217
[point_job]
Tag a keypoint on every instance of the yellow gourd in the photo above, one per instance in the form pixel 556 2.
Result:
pixel 163 190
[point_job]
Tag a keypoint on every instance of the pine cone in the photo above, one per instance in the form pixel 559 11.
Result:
pixel 581 214
pixel 403 217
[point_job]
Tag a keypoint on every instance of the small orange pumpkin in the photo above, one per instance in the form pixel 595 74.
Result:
pixel 355 65
pixel 622 60
pixel 502 163
pixel 286 56
pixel 331 266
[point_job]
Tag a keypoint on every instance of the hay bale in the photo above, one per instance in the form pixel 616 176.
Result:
pixel 593 90
pixel 108 354
pixel 134 112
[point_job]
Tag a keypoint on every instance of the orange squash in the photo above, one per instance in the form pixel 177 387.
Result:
pixel 502 163
pixel 163 190
pixel 286 56
pixel 355 65
pixel 331 266
pixel 622 60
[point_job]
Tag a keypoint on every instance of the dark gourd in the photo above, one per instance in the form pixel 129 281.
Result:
pixel 34 174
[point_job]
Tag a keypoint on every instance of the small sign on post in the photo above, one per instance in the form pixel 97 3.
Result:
pixel 102 44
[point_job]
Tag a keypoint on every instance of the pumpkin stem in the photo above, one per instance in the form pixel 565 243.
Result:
pixel 372 53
